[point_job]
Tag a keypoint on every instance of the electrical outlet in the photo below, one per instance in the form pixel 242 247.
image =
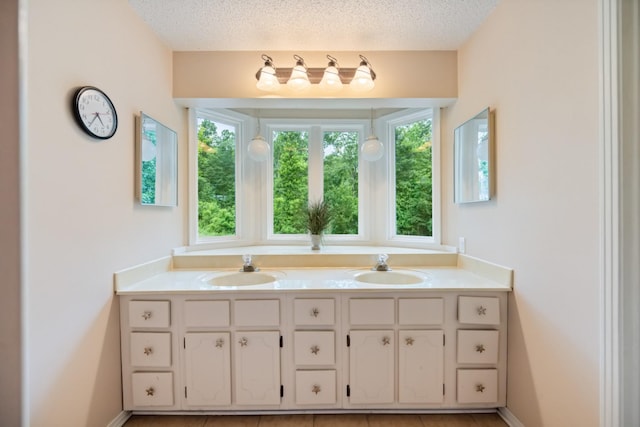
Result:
pixel 462 245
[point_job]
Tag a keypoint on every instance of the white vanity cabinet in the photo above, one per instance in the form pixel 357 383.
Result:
pixel 381 329
pixel 333 350
pixel 149 354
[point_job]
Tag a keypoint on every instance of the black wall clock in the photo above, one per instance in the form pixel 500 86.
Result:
pixel 95 112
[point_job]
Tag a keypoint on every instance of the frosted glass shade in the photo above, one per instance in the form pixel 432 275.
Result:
pixel 331 80
pixel 362 80
pixel 268 80
pixel 372 149
pixel 299 79
pixel 259 149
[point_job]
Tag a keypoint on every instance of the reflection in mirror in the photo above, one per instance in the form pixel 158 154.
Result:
pixel 472 159
pixel 157 153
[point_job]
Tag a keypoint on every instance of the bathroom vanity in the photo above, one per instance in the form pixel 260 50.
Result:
pixel 198 335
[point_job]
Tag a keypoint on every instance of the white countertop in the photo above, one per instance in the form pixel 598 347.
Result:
pixel 312 279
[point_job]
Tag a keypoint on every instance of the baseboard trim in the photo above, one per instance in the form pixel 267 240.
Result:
pixel 120 419
pixel 509 418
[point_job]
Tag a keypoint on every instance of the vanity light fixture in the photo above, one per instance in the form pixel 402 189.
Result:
pixel 258 147
pixel 372 149
pixel 330 79
pixel 299 80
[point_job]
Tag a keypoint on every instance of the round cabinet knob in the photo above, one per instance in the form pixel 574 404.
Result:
pixel 482 311
pixel 219 343
pixel 150 391
pixel 480 388
pixel 148 351
pixel 409 340
pixel 315 312
pixel 243 342
pixel 315 349
pixel 386 341
pixel 146 315
pixel 315 389
pixel 480 348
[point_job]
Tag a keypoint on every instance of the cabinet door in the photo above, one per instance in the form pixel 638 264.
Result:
pixel 207 369
pixel 371 366
pixel 257 367
pixel 420 366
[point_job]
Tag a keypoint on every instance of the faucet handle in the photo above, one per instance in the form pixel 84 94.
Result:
pixel 246 258
pixel 382 258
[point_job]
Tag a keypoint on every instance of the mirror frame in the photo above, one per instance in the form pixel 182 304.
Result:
pixel 158 143
pixel 473 168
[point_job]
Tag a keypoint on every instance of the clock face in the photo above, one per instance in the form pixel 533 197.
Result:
pixel 95 112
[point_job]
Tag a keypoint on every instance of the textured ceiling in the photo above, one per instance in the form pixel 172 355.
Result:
pixel 313 25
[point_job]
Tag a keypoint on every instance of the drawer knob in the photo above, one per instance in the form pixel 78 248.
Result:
pixel 150 391
pixel 409 340
pixel 315 312
pixel 146 315
pixel 148 351
pixel 480 388
pixel 482 311
pixel 315 349
pixel 243 342
pixel 315 389
pixel 480 348
pixel 219 343
pixel 386 340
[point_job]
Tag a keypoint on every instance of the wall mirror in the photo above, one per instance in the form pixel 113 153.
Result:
pixel 157 154
pixel 472 159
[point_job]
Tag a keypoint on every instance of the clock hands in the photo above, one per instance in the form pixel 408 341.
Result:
pixel 96 116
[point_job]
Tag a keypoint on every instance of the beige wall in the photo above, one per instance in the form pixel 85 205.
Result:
pixel 428 74
pixel 536 64
pixel 82 220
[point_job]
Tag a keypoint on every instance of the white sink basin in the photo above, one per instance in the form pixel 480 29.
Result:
pixel 243 279
pixel 389 278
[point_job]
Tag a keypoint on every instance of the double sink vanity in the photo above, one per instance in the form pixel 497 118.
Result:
pixel 294 330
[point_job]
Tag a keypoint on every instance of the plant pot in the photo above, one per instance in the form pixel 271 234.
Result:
pixel 316 240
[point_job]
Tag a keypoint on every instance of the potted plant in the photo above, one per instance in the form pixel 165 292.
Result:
pixel 318 218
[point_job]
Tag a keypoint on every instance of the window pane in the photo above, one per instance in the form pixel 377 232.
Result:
pixel 414 179
pixel 290 181
pixel 216 179
pixel 341 180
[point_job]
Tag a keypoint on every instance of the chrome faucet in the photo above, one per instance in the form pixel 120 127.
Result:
pixel 382 265
pixel 247 266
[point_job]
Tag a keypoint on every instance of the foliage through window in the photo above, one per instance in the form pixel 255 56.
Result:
pixel 414 180
pixel 216 178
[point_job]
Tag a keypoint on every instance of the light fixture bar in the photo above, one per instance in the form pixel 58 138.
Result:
pixel 315 74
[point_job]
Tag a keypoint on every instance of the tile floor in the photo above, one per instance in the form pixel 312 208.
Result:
pixel 324 420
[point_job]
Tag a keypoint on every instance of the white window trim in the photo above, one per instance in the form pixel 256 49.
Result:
pixel 388 123
pixel 315 129
pixel 254 182
pixel 241 123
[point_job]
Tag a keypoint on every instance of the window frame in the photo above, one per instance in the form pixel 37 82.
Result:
pixel 390 122
pixel 376 180
pixel 316 129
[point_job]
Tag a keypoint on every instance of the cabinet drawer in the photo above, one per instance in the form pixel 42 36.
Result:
pixel 371 311
pixel 314 347
pixel 479 310
pixel 477 385
pixel 315 387
pixel 314 312
pixel 206 314
pixel 478 346
pixel 420 311
pixel 152 388
pixel 151 349
pixel 257 312
pixel 149 314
